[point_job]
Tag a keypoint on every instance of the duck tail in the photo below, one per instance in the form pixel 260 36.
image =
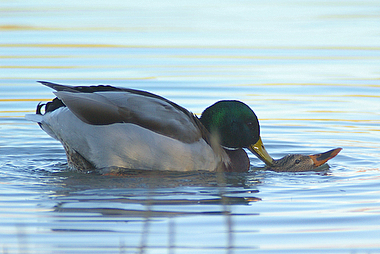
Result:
pixel 34 117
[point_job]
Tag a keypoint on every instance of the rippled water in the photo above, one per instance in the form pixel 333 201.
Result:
pixel 310 71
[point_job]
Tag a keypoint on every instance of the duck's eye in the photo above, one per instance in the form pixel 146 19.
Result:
pixel 297 161
pixel 249 124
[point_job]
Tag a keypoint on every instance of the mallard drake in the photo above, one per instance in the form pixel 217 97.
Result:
pixel 104 127
pixel 302 163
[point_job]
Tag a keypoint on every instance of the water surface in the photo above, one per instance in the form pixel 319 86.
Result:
pixel 309 70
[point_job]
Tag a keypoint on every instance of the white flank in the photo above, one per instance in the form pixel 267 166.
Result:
pixel 126 145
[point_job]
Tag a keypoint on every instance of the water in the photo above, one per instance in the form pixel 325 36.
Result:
pixel 308 69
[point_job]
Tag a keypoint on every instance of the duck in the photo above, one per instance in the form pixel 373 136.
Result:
pixel 303 163
pixel 105 127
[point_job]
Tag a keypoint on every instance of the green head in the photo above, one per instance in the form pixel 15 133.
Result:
pixel 236 126
pixel 234 123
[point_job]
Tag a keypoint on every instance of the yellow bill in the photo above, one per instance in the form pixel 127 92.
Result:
pixel 259 150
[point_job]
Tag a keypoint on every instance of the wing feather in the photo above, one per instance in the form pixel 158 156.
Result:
pixel 161 116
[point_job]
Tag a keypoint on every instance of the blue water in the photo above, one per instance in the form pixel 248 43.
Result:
pixel 308 69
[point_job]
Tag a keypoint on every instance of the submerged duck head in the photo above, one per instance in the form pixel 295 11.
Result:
pixel 302 163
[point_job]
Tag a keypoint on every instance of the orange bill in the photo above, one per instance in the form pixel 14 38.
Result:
pixel 321 158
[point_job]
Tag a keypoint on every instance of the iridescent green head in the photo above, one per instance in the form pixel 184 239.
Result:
pixel 236 126
pixel 234 122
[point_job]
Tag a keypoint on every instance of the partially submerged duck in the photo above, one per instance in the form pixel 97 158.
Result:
pixel 302 163
pixel 106 127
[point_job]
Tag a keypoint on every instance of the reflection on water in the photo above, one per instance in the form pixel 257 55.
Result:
pixel 164 196
pixel 309 71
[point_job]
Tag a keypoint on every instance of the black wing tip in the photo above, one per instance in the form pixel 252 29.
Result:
pixel 56 86
pixel 43 82
pixel 47 83
pixel 82 89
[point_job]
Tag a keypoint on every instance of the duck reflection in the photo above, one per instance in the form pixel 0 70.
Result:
pixel 141 193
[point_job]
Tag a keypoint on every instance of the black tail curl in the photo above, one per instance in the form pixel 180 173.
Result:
pixel 50 106
pixel 38 109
